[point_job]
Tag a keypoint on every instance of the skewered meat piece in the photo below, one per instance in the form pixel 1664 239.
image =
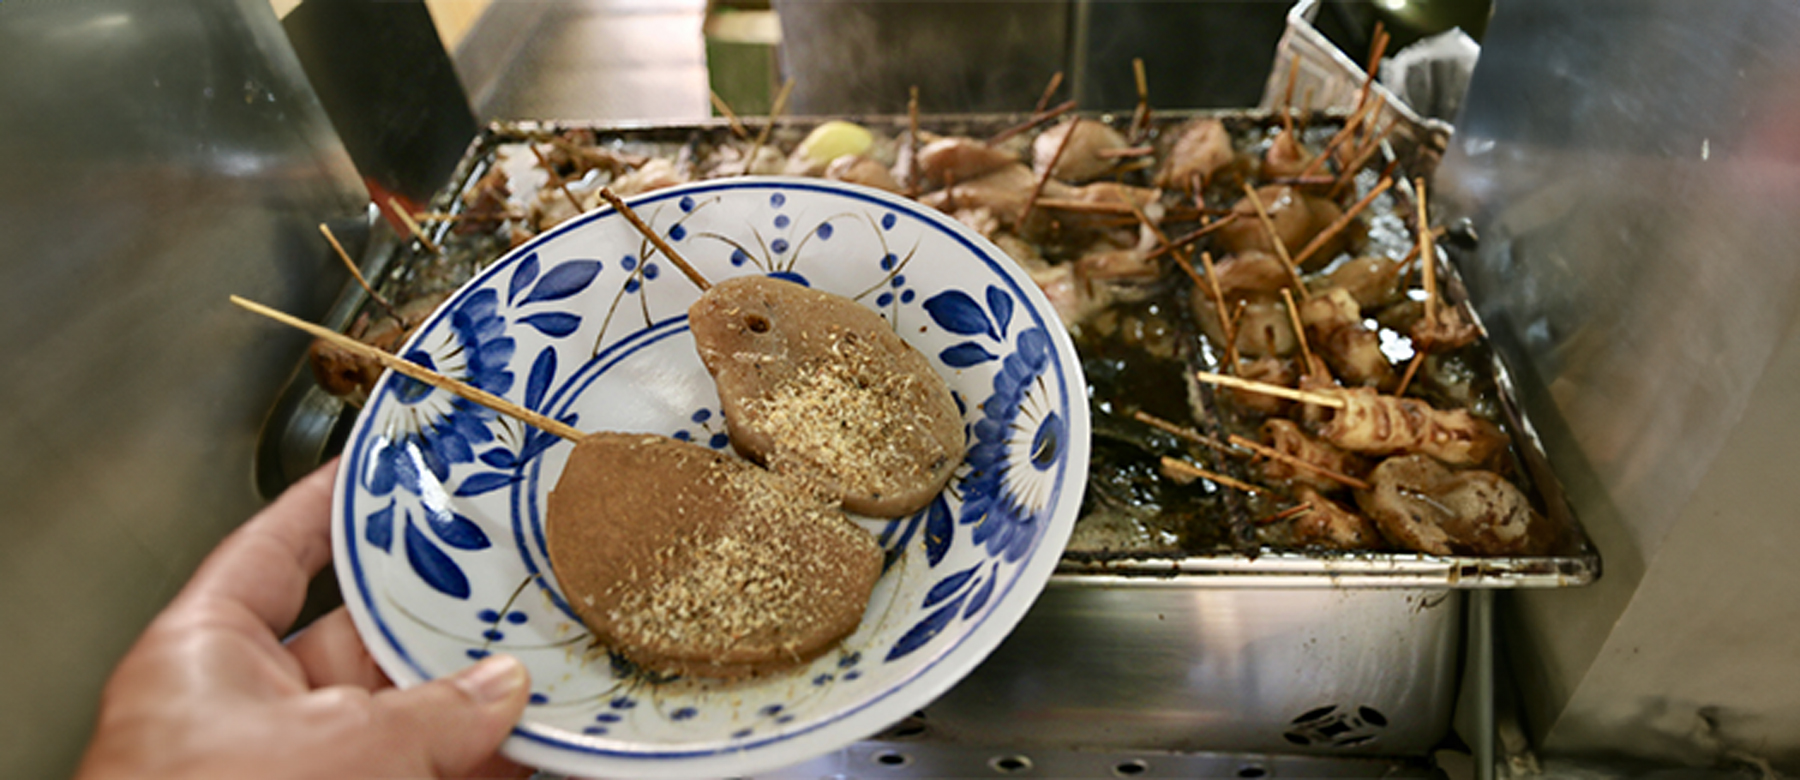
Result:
pixel 1081 159
pixel 820 389
pixel 1297 217
pixel 959 159
pixel 1268 369
pixel 351 376
pixel 1203 150
pixel 1377 424
pixel 1252 274
pixel 486 205
pixel 1448 330
pixel 1285 437
pixel 1421 505
pixel 1373 281
pixel 1286 157
pixel 1264 329
pixel 1334 322
pixel 688 561
pixel 1003 191
pixel 1326 523
pixel 575 153
pixel 857 169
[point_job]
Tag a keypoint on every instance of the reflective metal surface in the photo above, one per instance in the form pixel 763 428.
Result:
pixel 1633 172
pixel 1315 671
pixel 157 157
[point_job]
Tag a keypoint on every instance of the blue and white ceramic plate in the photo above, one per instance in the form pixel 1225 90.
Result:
pixel 438 517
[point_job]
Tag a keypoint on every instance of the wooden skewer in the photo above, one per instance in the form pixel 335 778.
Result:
pixel 1287 97
pixel 1184 433
pixel 407 220
pixel 416 371
pixel 775 111
pixel 661 245
pixel 1031 202
pixel 1275 454
pixel 1427 258
pixel 731 117
pixel 1348 175
pixel 1056 80
pixel 1412 367
pixel 1226 323
pixel 1299 329
pixel 1343 221
pixel 357 273
pixel 1125 151
pixel 556 178
pixel 1292 511
pixel 912 141
pixel 1303 396
pixel 1194 235
pixel 1140 118
pixel 1035 120
pixel 1337 139
pixel 1275 239
pixel 1378 47
pixel 1183 467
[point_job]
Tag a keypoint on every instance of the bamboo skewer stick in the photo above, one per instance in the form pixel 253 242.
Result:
pixel 1348 175
pixel 775 111
pixel 1194 235
pixel 1056 80
pixel 357 274
pixel 1303 396
pixel 1184 433
pixel 1343 134
pixel 1185 468
pixel 1299 329
pixel 1427 258
pixel 1035 120
pixel 1412 367
pixel 418 372
pixel 1227 324
pixel 1275 239
pixel 1337 226
pixel 1287 97
pixel 661 245
pixel 912 141
pixel 1031 202
pixel 1275 454
pixel 1292 511
pixel 1140 117
pixel 731 117
pixel 556 179
pixel 407 220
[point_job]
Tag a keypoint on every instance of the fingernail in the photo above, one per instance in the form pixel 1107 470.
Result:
pixel 496 678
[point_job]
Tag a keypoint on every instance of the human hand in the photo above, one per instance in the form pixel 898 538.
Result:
pixel 210 689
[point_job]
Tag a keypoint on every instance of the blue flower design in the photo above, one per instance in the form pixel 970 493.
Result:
pixel 1017 439
pixel 448 428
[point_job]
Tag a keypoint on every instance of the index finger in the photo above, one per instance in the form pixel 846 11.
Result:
pixel 265 564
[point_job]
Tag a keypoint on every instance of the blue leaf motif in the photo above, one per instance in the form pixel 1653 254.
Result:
pixel 939 530
pixel 931 626
pixel 1002 305
pixel 500 458
pixel 955 311
pixel 535 443
pixel 379 529
pixel 554 324
pixel 543 370
pixel 948 586
pixel 433 566
pixel 966 354
pixel 457 531
pixel 564 280
pixel 523 277
pixel 485 482
pixel 983 592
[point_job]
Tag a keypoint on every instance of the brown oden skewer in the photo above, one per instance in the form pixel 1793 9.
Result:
pixel 418 372
pixel 1275 239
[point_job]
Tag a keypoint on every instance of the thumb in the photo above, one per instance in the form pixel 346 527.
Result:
pixel 459 721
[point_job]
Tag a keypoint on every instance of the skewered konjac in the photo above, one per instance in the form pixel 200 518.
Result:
pixel 1294 210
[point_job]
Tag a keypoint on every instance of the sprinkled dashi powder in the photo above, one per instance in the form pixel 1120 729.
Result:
pixel 722 590
pixel 851 417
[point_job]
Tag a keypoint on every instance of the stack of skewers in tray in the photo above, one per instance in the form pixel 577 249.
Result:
pixel 1275 357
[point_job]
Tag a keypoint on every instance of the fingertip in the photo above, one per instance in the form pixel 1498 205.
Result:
pixel 496 679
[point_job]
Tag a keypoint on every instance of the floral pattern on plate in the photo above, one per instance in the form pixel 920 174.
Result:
pixel 438 518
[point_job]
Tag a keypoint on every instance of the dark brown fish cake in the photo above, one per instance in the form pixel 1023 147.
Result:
pixel 820 388
pixel 690 561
